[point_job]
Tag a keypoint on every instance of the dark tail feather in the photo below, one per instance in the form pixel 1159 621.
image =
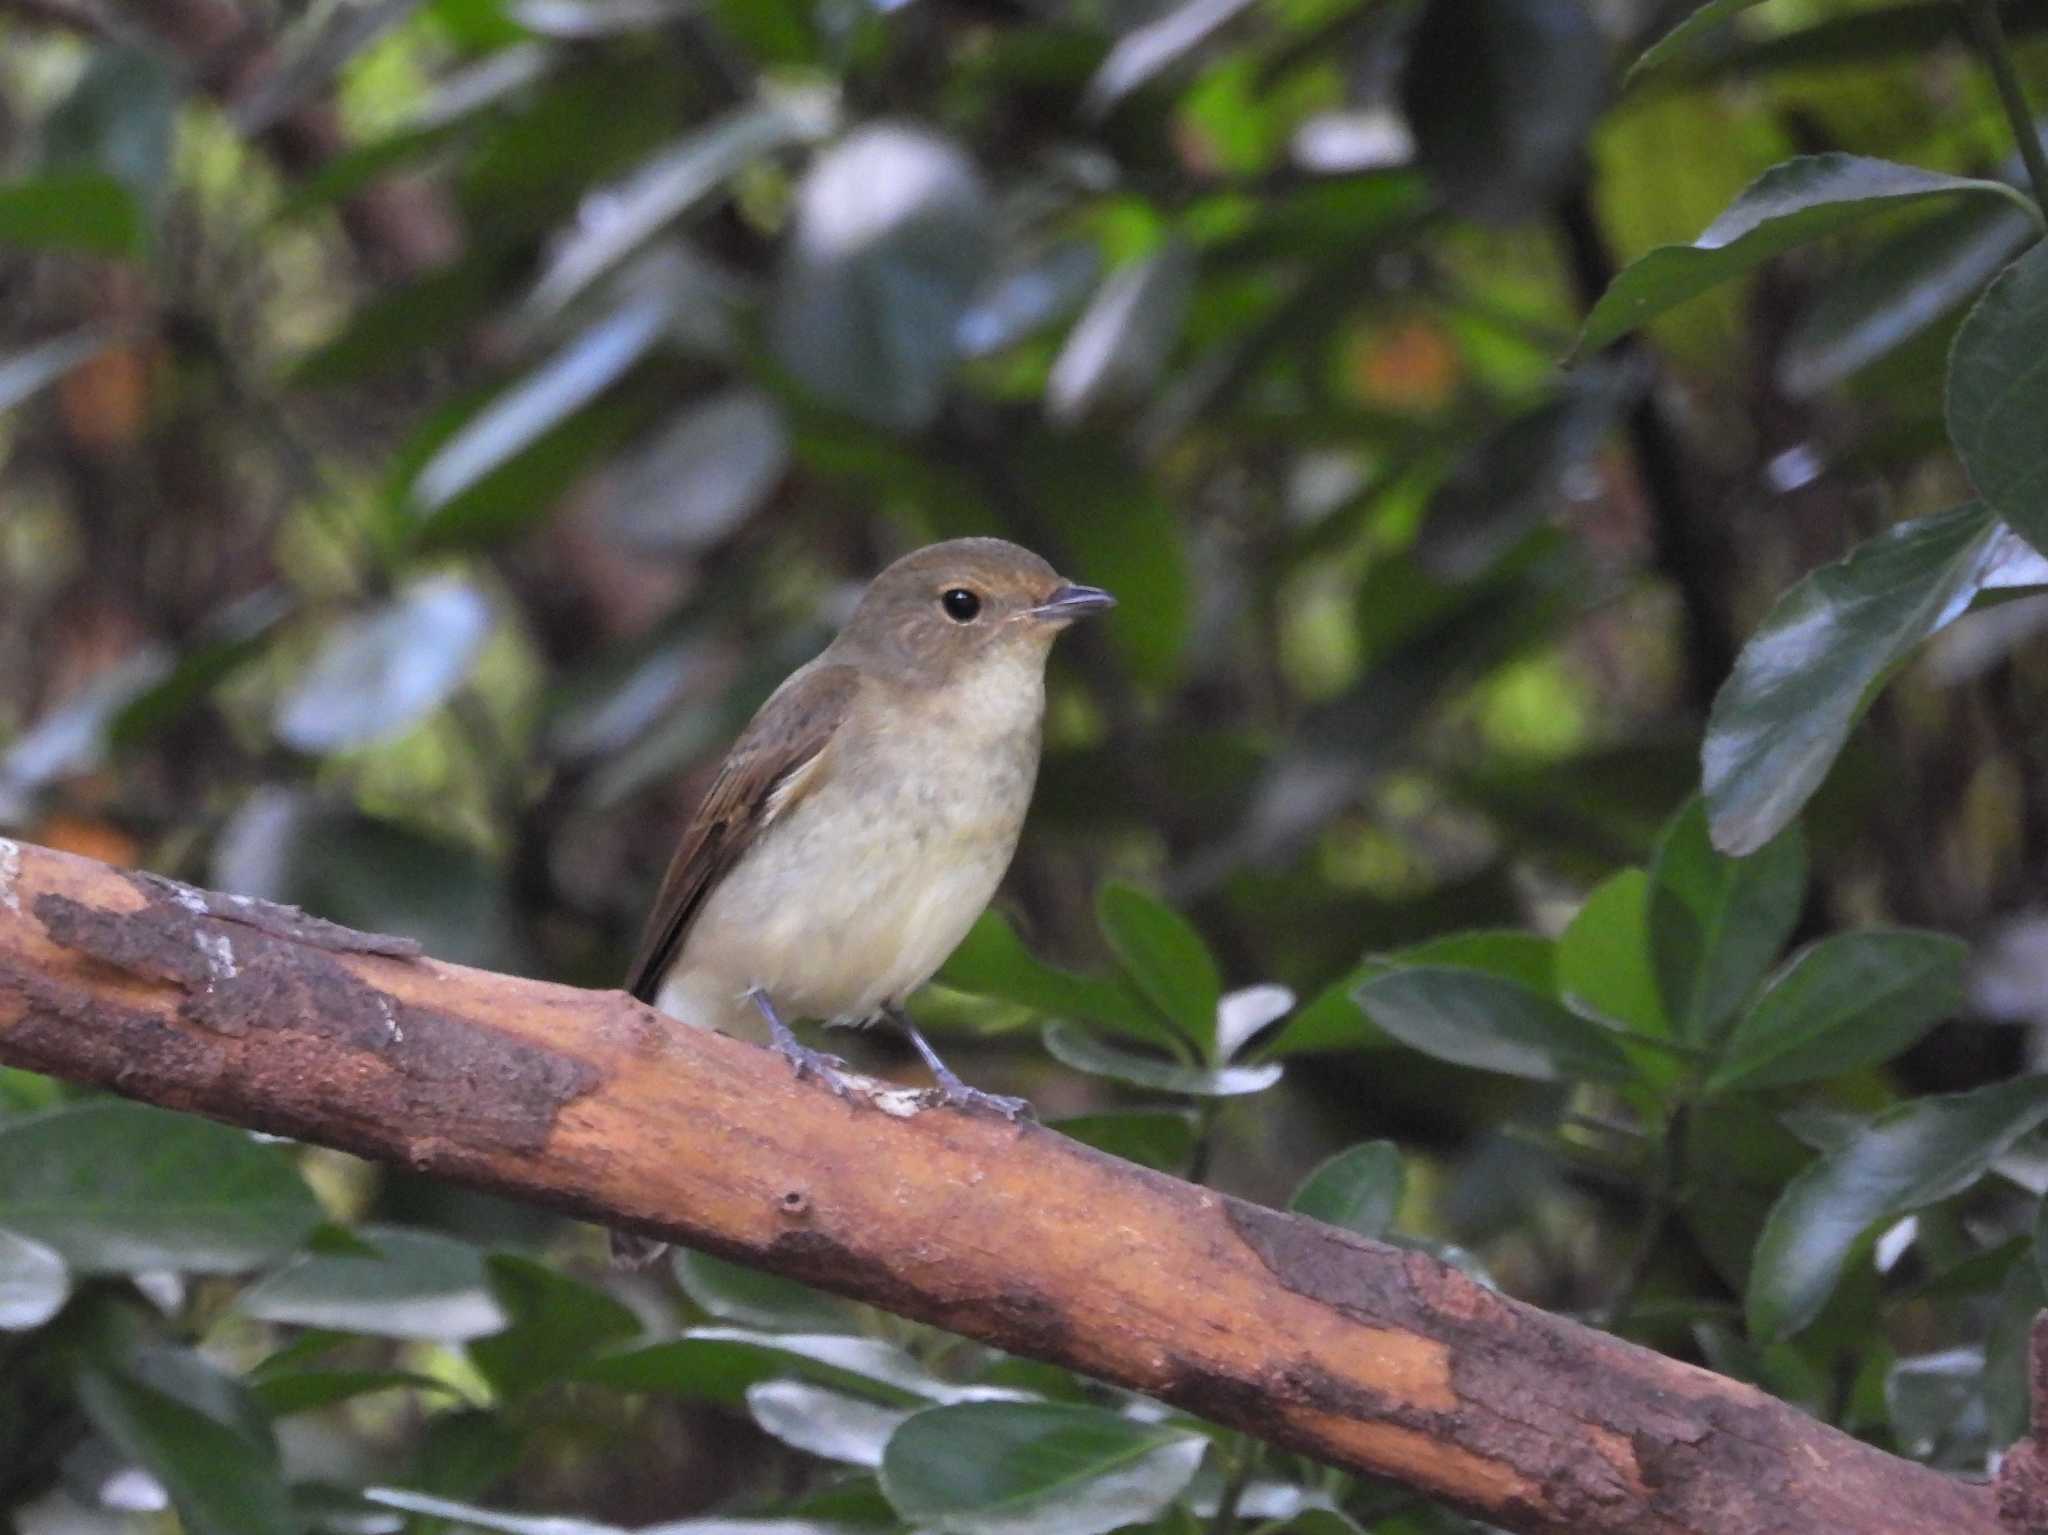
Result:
pixel 635 1252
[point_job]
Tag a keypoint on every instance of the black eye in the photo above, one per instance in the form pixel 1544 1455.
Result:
pixel 961 605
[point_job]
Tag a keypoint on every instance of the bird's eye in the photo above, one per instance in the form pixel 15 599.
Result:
pixel 961 605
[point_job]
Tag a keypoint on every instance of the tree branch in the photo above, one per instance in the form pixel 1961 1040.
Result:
pixel 1361 1355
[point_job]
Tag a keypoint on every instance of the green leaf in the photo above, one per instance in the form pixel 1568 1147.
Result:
pixel 1084 1052
pixel 1163 953
pixel 1997 396
pixel 1681 36
pixel 557 1323
pixel 199 1434
pixel 893 235
pixel 757 1299
pixel 1013 1468
pixel 34 1283
pixel 1790 204
pixel 1162 1139
pixel 1474 1019
pixel 1914 1155
pixel 993 962
pixel 1148 50
pixel 1116 351
pixel 1358 1189
pixel 289 1391
pixel 468 1515
pixel 119 1187
pixel 1897 290
pixel 1813 666
pixel 25 372
pixel 73 210
pixel 719 1363
pixel 1603 958
pixel 1334 1019
pixel 822 1422
pixel 1927 1394
pixel 1850 1001
pixel 1716 923
pixel 701 477
pixel 419 1285
pixel 1500 95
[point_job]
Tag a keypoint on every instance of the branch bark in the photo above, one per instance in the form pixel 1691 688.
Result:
pixel 1359 1354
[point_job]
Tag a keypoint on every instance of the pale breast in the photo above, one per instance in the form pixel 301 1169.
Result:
pixel 857 893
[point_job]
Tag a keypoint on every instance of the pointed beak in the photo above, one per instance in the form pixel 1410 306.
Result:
pixel 1069 602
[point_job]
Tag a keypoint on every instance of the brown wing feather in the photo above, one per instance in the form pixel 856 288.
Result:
pixel 793 728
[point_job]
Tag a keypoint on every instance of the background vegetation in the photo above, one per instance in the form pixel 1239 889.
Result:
pixel 1587 821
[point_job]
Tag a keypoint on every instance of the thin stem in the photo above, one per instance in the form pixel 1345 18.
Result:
pixel 1240 1477
pixel 1659 1203
pixel 1990 33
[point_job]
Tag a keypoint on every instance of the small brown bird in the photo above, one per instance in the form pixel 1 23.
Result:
pixel 865 816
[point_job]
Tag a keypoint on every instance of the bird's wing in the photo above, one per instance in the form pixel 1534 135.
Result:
pixel 778 759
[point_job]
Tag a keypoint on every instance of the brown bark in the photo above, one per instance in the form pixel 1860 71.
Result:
pixel 1359 1354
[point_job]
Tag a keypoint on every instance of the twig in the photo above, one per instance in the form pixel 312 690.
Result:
pixel 1989 32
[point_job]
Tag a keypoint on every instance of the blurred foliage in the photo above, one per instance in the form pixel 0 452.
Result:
pixel 424 442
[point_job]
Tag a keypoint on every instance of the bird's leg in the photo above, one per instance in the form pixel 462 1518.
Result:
pixel 805 1061
pixel 952 1090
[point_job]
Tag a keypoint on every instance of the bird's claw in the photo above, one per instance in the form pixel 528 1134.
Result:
pixel 806 1062
pixel 952 1093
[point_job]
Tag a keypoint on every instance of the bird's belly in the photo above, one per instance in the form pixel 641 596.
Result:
pixel 852 899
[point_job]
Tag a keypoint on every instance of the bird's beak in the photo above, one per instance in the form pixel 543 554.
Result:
pixel 1069 602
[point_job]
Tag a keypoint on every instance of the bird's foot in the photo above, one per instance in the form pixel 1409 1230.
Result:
pixel 804 1061
pixel 952 1093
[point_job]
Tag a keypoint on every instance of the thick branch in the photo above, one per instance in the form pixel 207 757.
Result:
pixel 1361 1355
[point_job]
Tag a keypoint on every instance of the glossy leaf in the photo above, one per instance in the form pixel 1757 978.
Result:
pixel 1500 95
pixel 418 1284
pixel 719 1363
pixel 1850 1001
pixel 702 477
pixel 1474 1019
pixel 1997 396
pixel 1603 957
pixel 1004 1468
pixel 73 210
pixel 118 1187
pixel 1333 1019
pixel 1117 349
pixel 1914 1155
pixel 1789 205
pixel 754 1298
pixel 1246 1012
pixel 1163 1139
pixel 891 242
pixel 821 1422
pixel 199 1434
pixel 1358 1189
pixel 377 675
pixel 1020 300
pixel 1814 664
pixel 1148 50
pixel 1072 1047
pixel 993 962
pixel 1162 952
pixel 557 1323
pixel 34 1284
pixel 1716 922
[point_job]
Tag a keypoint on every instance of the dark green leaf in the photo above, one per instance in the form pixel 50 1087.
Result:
pixel 1358 1189
pixel 1474 1019
pixel 2008 1372
pixel 1716 923
pixel 557 1323
pixel 419 1285
pixel 1850 1001
pixel 1896 291
pixel 1099 1058
pixel 118 1187
pixel 1500 95
pixel 1910 1156
pixel 199 1434
pixel 993 962
pixel 1817 660
pixel 1162 952
pixel 1695 25
pixel 1997 396
pixel 33 1282
pixel 1117 349
pixel 234 636
pixel 757 1299
pixel 1158 1138
pixel 1334 1019
pixel 76 210
pixel 822 1422
pixel 892 239
pixel 719 1363
pixel 1007 1468
pixel 289 1391
pixel 1790 204
pixel 376 675
pixel 1603 959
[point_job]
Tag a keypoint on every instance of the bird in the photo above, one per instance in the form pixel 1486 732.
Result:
pixel 863 819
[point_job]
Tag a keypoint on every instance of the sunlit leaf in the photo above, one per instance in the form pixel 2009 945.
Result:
pixel 119 1187
pixel 1849 1001
pixel 1997 396
pixel 1790 204
pixel 1817 660
pixel 76 210
pixel 1003 1468
pixel 1908 1157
